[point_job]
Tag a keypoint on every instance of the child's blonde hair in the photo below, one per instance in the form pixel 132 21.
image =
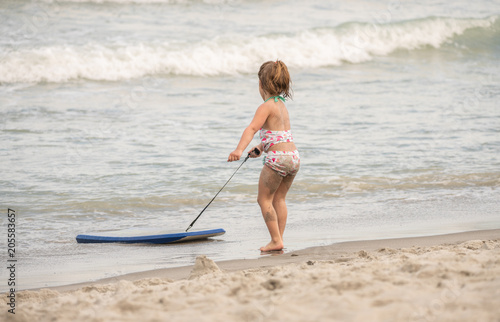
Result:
pixel 275 79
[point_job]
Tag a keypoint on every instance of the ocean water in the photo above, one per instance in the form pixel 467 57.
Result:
pixel 121 113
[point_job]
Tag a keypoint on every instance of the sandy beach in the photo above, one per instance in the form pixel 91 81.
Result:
pixel 453 277
pixel 119 115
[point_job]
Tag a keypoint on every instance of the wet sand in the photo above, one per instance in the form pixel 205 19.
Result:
pixel 454 277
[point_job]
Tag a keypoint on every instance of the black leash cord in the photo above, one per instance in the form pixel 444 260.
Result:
pixel 248 156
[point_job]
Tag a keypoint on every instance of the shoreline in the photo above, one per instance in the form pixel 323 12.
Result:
pixel 452 277
pixel 333 251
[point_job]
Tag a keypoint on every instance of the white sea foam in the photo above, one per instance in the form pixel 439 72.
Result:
pixel 350 42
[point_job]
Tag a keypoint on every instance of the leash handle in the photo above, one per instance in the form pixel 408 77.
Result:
pixel 248 156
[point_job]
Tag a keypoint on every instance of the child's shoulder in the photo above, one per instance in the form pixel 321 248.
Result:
pixel 266 105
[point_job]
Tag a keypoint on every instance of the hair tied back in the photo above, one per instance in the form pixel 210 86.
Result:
pixel 275 79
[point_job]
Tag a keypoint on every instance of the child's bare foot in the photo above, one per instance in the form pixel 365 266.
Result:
pixel 272 246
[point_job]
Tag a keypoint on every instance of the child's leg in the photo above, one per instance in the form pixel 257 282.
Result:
pixel 268 184
pixel 279 203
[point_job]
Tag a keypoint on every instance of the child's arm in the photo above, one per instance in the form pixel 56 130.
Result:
pixel 258 121
pixel 260 148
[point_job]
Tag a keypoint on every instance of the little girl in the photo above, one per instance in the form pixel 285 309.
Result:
pixel 282 161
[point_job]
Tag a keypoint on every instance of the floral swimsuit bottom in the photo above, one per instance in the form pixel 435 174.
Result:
pixel 283 162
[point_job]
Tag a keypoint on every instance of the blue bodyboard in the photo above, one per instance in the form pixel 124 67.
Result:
pixel 156 236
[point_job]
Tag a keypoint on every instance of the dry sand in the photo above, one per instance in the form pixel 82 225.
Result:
pixel 452 277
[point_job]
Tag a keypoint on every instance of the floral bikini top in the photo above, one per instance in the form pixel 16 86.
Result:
pixel 270 138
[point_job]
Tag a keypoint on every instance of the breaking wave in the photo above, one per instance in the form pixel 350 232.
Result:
pixel 347 43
